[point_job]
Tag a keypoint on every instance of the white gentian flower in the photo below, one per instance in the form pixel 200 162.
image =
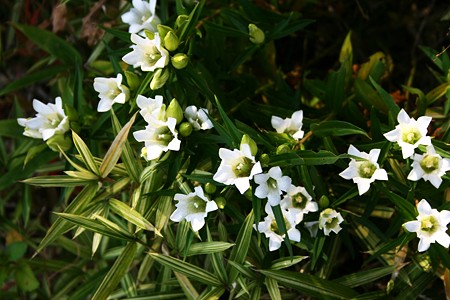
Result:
pixel 329 220
pixel 272 185
pixel 409 133
pixel 364 172
pixel 147 54
pixel 194 207
pixel 198 118
pixel 49 121
pixel 298 202
pixel 270 229
pixel 158 137
pixel 111 90
pixel 142 16
pixel 151 109
pixel 237 167
pixel 430 166
pixel 292 126
pixel 430 226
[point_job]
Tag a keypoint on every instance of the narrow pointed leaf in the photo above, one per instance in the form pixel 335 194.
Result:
pixel 208 248
pixel 189 290
pixel 365 277
pixel 286 262
pixel 272 288
pixel 85 153
pixel 57 181
pixel 337 128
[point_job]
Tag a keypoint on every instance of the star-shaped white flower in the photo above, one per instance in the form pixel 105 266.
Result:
pixel 198 118
pixel 409 133
pixel 142 16
pixel 272 185
pixel 298 202
pixel 50 120
pixel 237 167
pixel 151 109
pixel 365 171
pixel 193 207
pixel 158 137
pixel 111 90
pixel 430 226
pixel 147 54
pixel 270 229
pixel 430 166
pixel 292 126
pixel 329 221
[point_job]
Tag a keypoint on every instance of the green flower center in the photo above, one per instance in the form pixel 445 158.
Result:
pixel 274 226
pixel 163 135
pixel 299 201
pixel 429 163
pixel 153 56
pixel 429 224
pixel 331 223
pixel 113 93
pixel 243 167
pixel 272 183
pixel 197 205
pixel 411 136
pixel 366 169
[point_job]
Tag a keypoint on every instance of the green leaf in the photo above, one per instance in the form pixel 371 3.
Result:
pixel 286 262
pixel 16 250
pixel 85 153
pixel 192 20
pixel 190 270
pixel 272 288
pixel 232 130
pixel 56 180
pixel 208 248
pixel 335 89
pixel 25 278
pixel 10 128
pixel 214 293
pixel 188 288
pixel 387 99
pixel 337 128
pixel 117 271
pixel 405 208
pixel 365 277
pixel 310 284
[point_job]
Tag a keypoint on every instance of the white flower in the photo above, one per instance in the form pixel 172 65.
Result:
pixel 194 207
pixel 270 229
pixel 142 16
pixel 198 118
pixel 147 54
pixel 237 167
pixel 298 202
pixel 49 121
pixel 409 133
pixel 151 109
pixel 271 185
pixel 329 220
pixel 292 126
pixel 430 166
pixel 111 90
pixel 158 138
pixel 430 226
pixel 365 171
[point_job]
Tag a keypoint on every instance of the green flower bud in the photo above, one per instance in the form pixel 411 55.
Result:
pixel 59 141
pixel 185 129
pixel 324 202
pixel 221 202
pixel 251 143
pixel 159 79
pixel 181 21
pixel 257 36
pixel 150 35
pixel 163 30
pixel 132 80
pixel 210 188
pixel 174 111
pixel 283 149
pixel 180 61
pixel 171 41
pixel 264 159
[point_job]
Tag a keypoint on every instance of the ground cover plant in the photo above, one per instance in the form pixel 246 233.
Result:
pixel 224 149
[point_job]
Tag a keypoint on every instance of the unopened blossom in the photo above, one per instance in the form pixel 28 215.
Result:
pixel 313 227
pixel 142 16
pixel 291 126
pixel 198 118
pixel 271 185
pixel 409 133
pixel 430 167
pixel 270 229
pixel 148 54
pixel 329 221
pixel 298 202
pixel 50 120
pixel 430 226
pixel 111 90
pixel 151 109
pixel 364 170
pixel 237 167
pixel 193 207
pixel 158 137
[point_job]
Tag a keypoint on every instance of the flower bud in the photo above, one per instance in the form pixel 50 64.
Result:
pixel 159 78
pixel 132 80
pixel 180 61
pixel 163 30
pixel 257 36
pixel 251 143
pixel 283 149
pixel 185 129
pixel 174 111
pixel 171 41
pixel 264 159
pixel 324 202
pixel 210 188
pixel 150 35
pixel 221 202
pixel 181 21
pixel 59 141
